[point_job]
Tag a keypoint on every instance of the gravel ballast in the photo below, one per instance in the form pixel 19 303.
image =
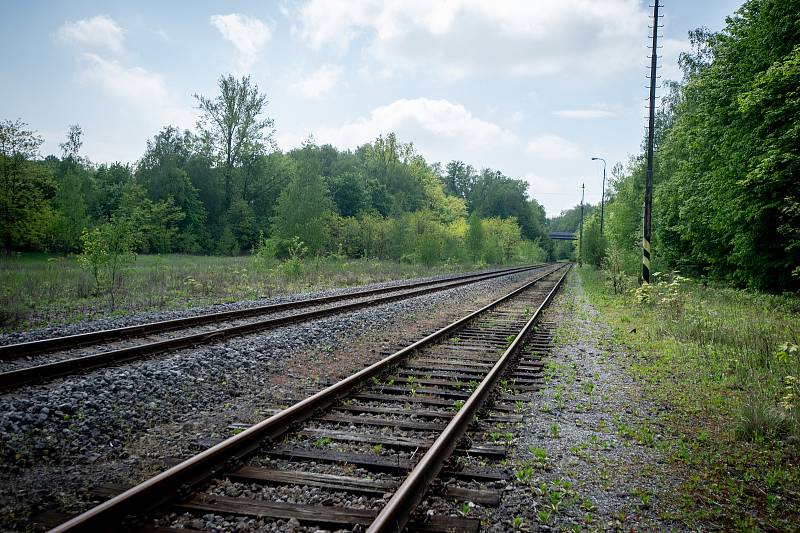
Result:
pixel 587 452
pixel 121 425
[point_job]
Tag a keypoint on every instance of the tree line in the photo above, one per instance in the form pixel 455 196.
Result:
pixel 727 161
pixel 226 189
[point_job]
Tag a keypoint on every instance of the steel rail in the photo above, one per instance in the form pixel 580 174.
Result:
pixel 22 376
pixel 10 352
pixel 397 511
pixel 177 480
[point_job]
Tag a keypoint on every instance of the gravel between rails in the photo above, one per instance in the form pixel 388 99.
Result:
pixel 118 425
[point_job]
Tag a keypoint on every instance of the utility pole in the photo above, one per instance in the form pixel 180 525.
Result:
pixel 580 242
pixel 648 189
pixel 603 197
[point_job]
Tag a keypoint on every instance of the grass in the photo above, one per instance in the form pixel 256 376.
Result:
pixel 39 290
pixel 724 366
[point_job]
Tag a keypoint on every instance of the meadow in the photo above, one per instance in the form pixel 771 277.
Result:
pixel 40 290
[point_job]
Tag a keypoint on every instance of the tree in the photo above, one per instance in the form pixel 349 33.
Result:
pixel 233 124
pixel 107 249
pixel 459 179
pixel 162 172
pixel 475 238
pixel 304 206
pixel 72 145
pixel 25 214
pixel 75 191
pixel 593 244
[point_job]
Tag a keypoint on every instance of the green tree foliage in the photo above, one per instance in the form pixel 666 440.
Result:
pixel 26 217
pixel 233 126
pixel 75 188
pixel 475 238
pixel 107 249
pixel 304 207
pixel 162 172
pixel 727 158
pixel 225 190
pixel 593 246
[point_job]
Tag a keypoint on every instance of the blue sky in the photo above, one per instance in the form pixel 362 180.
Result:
pixel 533 88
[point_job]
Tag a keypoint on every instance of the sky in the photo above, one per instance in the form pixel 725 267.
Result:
pixel 532 88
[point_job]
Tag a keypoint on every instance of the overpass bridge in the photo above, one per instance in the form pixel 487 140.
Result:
pixel 563 236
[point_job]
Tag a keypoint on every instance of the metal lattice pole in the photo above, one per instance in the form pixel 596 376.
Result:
pixel 648 190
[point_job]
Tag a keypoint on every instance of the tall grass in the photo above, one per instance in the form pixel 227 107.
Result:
pixel 731 342
pixel 38 290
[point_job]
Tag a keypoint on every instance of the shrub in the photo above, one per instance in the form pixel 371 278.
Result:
pixel 107 249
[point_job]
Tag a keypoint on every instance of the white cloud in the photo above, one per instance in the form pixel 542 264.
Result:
pixel 99 31
pixel 137 87
pixel 320 83
pixel 248 34
pixel 426 121
pixel 584 113
pixel 670 70
pixel 552 147
pixel 460 38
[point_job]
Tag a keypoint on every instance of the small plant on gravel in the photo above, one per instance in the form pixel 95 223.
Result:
pixel 455 340
pixel 495 436
pixel 539 455
pixel 375 381
pixel 518 405
pixel 390 382
pixel 509 437
pixel 458 404
pixel 504 389
pixel 644 435
pixel 588 506
pixel 466 509
pixel 510 338
pixel 378 448
pixel 516 522
pixel 554 430
pixel 412 386
pixel 644 498
pixel 525 473
pixel 543 516
pixel 321 442
pixel 473 384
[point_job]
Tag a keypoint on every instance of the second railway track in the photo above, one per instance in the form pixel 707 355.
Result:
pixel 364 452
pixel 44 359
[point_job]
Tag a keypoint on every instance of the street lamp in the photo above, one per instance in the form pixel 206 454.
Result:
pixel 602 198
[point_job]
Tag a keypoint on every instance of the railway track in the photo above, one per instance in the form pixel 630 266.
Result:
pixel 364 452
pixel 45 359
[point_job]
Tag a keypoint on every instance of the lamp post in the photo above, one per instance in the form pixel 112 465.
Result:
pixel 602 198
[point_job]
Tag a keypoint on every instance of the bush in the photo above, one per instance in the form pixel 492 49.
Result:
pixel 759 421
pixel 107 249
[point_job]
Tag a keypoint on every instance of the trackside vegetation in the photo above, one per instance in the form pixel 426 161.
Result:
pixel 46 289
pixel 726 197
pixel 724 364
